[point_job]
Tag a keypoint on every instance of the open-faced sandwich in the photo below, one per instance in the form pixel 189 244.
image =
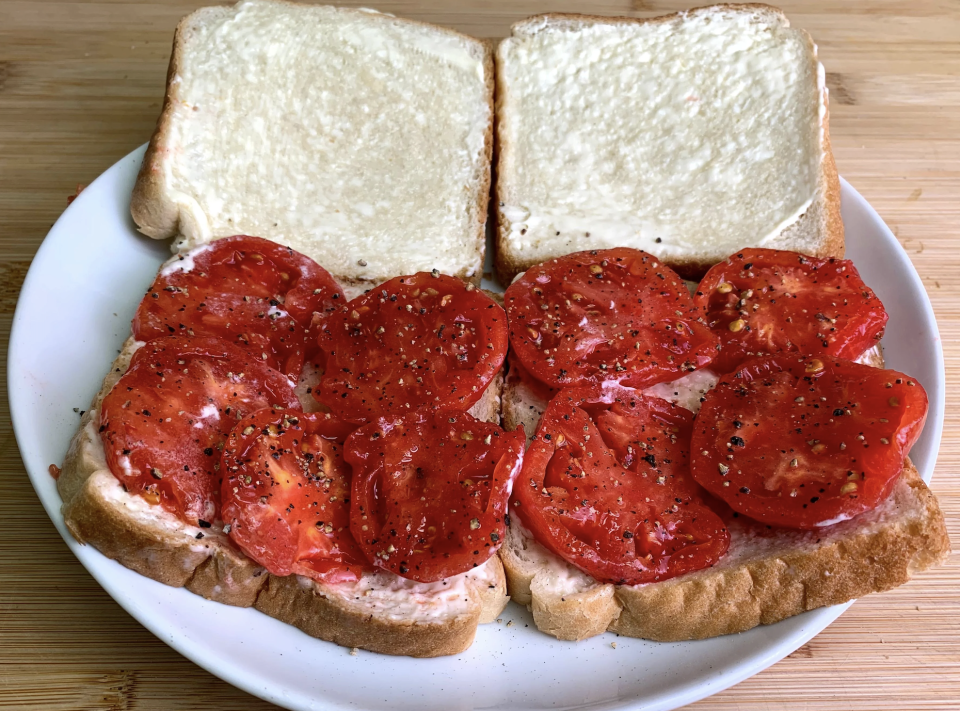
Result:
pixel 315 421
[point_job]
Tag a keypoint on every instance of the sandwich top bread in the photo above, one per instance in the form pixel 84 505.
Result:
pixel 359 139
pixel 687 136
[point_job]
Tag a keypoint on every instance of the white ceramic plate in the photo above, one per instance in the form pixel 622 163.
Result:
pixel 75 311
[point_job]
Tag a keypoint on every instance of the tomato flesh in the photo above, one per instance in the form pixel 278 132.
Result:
pixel 246 290
pixel 606 315
pixel 165 421
pixel 286 495
pixel 421 340
pixel 430 491
pixel 606 486
pixel 803 441
pixel 764 301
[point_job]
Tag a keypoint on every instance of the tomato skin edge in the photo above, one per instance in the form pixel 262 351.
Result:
pixel 750 273
pixel 833 476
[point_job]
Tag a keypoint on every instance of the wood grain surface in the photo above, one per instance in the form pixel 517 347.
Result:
pixel 81 85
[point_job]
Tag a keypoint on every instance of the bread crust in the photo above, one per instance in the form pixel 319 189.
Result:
pixel 158 216
pixel 769 589
pixel 310 607
pixel 98 511
pixel 154 213
pixel 821 218
pixel 486 178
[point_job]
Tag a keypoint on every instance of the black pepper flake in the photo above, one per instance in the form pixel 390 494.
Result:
pixel 627 534
pixel 737 441
pixel 838 412
pixel 202 523
pixel 744 490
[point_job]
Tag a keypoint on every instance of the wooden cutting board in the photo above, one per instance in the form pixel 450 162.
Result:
pixel 81 85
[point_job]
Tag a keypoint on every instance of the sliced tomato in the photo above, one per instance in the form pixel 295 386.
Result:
pixel 246 290
pixel 426 339
pixel 430 491
pixel 606 486
pixel 286 494
pixel 803 441
pixel 165 422
pixel 764 301
pixel 607 315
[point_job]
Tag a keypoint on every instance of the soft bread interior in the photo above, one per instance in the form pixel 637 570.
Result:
pixel 687 136
pixel 356 138
pixel 396 599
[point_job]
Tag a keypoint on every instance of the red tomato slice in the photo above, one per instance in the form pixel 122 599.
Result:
pixel 430 491
pixel 425 339
pixel 803 442
pixel 246 290
pixel 606 315
pixel 286 494
pixel 606 486
pixel 165 421
pixel 763 301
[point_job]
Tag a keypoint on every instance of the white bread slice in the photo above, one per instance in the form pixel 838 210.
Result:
pixel 688 136
pixel 359 139
pixel 766 576
pixel 382 612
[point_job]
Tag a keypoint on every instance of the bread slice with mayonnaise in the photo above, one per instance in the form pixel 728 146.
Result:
pixel 363 141
pixel 766 575
pixel 359 139
pixel 381 612
pixel 688 136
